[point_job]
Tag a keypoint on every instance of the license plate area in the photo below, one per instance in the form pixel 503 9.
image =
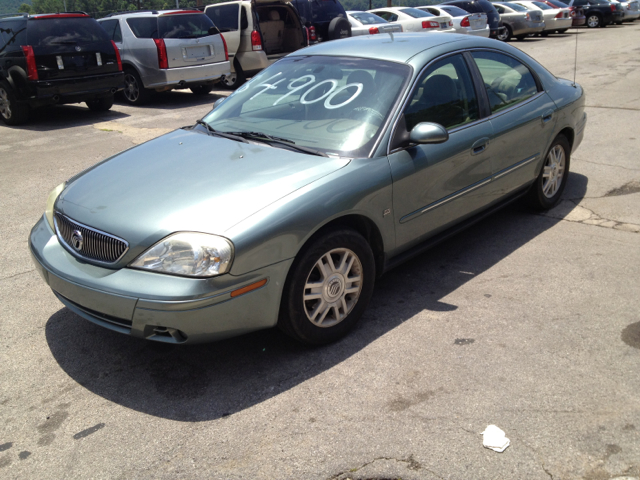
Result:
pixel 198 51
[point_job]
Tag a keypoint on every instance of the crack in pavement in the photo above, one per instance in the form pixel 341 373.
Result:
pixel 412 465
pixel 610 165
pixel 17 275
pixel 536 454
pixel 580 214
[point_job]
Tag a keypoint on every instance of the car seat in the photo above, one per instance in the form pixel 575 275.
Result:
pixel 272 32
pixel 439 103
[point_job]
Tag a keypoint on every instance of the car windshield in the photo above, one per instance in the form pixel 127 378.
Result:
pixel 337 105
pixel 60 31
pixel 454 11
pixel 184 25
pixel 542 6
pixel 415 13
pixel 367 18
pixel 515 6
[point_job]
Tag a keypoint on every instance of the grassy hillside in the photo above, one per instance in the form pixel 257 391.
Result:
pixel 11 6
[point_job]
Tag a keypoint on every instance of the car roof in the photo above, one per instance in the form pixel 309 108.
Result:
pixel 394 47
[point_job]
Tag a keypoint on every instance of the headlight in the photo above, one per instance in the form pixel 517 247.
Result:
pixel 53 196
pixel 189 254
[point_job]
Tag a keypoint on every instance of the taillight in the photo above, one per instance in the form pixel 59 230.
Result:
pixel 527 16
pixel 430 24
pixel 451 23
pixel 226 50
pixel 312 34
pixel 256 41
pixel 560 14
pixel 163 62
pixel 32 70
pixel 465 22
pixel 613 7
pixel 117 55
pixel 373 30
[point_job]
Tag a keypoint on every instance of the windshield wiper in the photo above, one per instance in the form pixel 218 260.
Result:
pixel 211 131
pixel 285 142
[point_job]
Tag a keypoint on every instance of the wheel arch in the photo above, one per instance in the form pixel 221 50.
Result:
pixel 569 134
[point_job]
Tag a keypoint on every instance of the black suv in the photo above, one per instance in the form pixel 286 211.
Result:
pixel 54 59
pixel 324 19
pixel 481 6
pixel 599 13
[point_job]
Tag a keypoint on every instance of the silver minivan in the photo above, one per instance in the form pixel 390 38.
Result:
pixel 165 50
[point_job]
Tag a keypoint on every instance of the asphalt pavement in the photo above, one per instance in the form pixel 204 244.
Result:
pixel 528 322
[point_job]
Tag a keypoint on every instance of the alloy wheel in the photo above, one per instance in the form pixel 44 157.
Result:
pixel 332 287
pixel 593 21
pixel 230 80
pixel 553 171
pixel 5 104
pixel 131 88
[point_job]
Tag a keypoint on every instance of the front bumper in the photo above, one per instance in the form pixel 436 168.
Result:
pixel 194 75
pixel 73 90
pixel 154 306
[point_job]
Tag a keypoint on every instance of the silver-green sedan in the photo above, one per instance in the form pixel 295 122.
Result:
pixel 285 203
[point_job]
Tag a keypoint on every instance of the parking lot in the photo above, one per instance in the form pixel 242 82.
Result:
pixel 529 322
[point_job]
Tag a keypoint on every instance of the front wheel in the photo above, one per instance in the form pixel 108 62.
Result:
pixel 506 34
pixel 328 288
pixel 11 111
pixel 594 21
pixel 101 104
pixel 546 191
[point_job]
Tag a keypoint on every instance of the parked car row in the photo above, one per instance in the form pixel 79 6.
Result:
pixel 51 59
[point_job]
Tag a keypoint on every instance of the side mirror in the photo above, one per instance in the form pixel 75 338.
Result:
pixel 427 132
pixel 219 101
pixel 214 30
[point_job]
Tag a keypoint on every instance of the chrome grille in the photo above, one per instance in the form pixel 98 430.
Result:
pixel 95 245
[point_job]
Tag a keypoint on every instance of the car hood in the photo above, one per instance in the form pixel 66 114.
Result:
pixel 186 181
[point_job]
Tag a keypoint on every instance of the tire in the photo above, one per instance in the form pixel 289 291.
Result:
pixel 235 79
pixel 562 30
pixel 594 21
pixel 201 89
pixel 326 313
pixel 134 92
pixel 103 104
pixel 618 23
pixel 506 36
pixel 544 34
pixel 339 28
pixel 12 112
pixel 521 37
pixel 546 191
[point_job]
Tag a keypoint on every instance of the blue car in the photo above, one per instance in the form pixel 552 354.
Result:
pixel 283 205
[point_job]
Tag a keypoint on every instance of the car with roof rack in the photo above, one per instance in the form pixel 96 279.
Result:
pixel 167 49
pixel 54 59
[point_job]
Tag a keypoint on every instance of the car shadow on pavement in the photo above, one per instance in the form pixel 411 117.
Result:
pixel 67 116
pixel 206 382
pixel 175 99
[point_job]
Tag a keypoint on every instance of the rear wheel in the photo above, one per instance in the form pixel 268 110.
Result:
pixel 506 34
pixel 328 288
pixel 201 89
pixel 234 79
pixel 11 111
pixel 101 104
pixel 594 21
pixel 546 191
pixel 134 91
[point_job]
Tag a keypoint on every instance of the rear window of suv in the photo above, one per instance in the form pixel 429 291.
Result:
pixel 64 31
pixel 171 26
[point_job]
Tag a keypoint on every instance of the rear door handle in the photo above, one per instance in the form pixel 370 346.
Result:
pixel 547 116
pixel 479 146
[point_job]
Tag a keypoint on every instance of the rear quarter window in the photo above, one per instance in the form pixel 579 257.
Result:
pixel 60 31
pixel 146 27
pixel 225 17
pixel 12 34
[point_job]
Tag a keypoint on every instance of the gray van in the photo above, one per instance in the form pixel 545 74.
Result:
pixel 165 50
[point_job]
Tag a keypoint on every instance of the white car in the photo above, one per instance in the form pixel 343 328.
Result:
pixel 463 21
pixel 631 10
pixel 555 19
pixel 367 23
pixel 414 20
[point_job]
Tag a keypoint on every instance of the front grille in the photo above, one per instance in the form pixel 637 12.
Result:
pixel 89 243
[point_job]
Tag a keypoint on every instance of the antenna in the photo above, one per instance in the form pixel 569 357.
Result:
pixel 575 63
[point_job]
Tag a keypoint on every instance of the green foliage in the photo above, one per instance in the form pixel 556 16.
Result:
pixel 12 6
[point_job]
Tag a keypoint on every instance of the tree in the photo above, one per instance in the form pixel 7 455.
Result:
pixel 25 8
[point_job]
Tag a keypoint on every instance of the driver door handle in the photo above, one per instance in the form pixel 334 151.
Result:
pixel 479 146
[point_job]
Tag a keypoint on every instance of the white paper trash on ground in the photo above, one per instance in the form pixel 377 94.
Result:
pixel 495 439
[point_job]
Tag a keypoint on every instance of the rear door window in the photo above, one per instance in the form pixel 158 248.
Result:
pixel 146 27
pixel 62 31
pixel 507 81
pixel 185 25
pixel 225 17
